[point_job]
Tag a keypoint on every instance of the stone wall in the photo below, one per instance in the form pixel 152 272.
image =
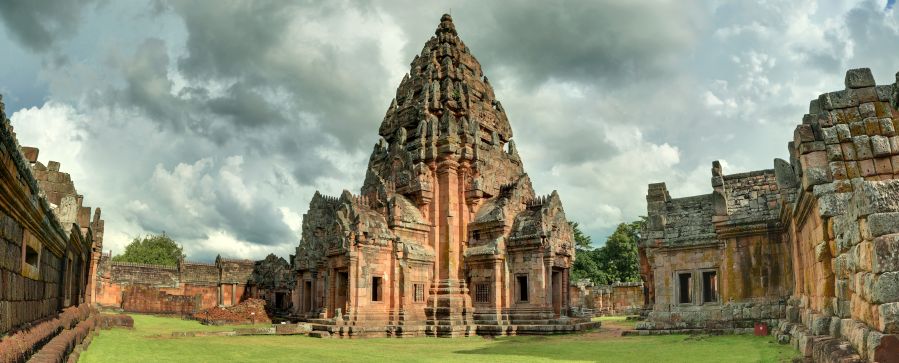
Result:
pixel 47 244
pixel 187 287
pixel 809 247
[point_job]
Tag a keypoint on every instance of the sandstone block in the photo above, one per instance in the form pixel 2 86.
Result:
pixel 830 135
pixel 838 170
pixel 883 92
pixel 814 107
pixel 880 224
pixel 803 133
pixel 872 126
pixel 857 128
pixel 887 128
pixel 859 78
pixel 852 170
pixel 866 110
pixel 848 149
pixel 834 152
pixel 814 176
pixel 886 253
pixel 866 167
pixel 856 333
pixel 867 94
pixel 889 318
pixel 843 132
pixel 847 236
pixel 885 288
pixel 820 325
pixel 884 167
pixel 808 147
pixel 862 145
pixel 875 197
pixel 880 146
pixel 839 99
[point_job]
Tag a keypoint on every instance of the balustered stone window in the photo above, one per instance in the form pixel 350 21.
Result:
pixel 482 293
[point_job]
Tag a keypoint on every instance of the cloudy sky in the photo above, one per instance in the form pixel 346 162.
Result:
pixel 216 121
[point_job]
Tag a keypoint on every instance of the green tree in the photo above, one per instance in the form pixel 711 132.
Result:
pixel 619 258
pixel 156 249
pixel 616 261
pixel 586 262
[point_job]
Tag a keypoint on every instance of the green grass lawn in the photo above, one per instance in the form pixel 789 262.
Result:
pixel 151 341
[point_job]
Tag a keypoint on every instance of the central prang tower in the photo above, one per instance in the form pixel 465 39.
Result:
pixel 446 132
pixel 447 237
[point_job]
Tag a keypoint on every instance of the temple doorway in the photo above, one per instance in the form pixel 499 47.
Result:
pixel 557 292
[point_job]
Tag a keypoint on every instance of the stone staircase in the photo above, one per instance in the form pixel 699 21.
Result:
pixel 58 338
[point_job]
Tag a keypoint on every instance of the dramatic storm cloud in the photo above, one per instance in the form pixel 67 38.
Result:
pixel 216 121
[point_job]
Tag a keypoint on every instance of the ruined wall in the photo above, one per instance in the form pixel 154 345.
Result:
pixel 627 297
pixel 846 154
pixel 811 243
pixel 46 245
pixel 181 289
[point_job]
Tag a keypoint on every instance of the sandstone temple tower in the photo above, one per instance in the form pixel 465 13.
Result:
pixel 447 237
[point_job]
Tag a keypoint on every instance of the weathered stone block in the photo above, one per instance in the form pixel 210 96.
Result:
pixel 875 197
pixel 839 99
pixel 859 77
pixel 880 146
pixel 886 253
pixel 848 149
pixel 883 167
pixel 885 288
pixel 866 110
pixel 803 133
pixel 887 128
pixel 847 236
pixel 872 126
pixel 889 318
pixel 820 325
pixel 812 146
pixel 880 224
pixel 852 170
pixel 834 328
pixel 856 333
pixel 862 145
pixel 883 92
pixel 857 128
pixel 830 135
pixel 843 132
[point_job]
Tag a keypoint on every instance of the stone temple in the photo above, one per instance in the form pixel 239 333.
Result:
pixel 809 247
pixel 447 237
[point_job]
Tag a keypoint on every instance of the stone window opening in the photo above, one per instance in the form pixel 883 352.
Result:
pixel 376 289
pixel 685 288
pixel 32 256
pixel 522 287
pixel 418 292
pixel 482 293
pixel 709 286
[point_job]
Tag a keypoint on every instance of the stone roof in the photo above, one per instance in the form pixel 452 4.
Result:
pixel 689 221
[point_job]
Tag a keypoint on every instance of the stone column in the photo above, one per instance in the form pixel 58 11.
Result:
pixel 548 282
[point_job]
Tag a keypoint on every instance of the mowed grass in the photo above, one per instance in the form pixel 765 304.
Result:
pixel 151 341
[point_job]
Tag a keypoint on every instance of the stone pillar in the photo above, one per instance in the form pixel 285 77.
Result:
pixel 548 282
pixel 353 291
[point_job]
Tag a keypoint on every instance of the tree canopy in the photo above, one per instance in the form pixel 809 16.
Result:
pixel 616 261
pixel 157 249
